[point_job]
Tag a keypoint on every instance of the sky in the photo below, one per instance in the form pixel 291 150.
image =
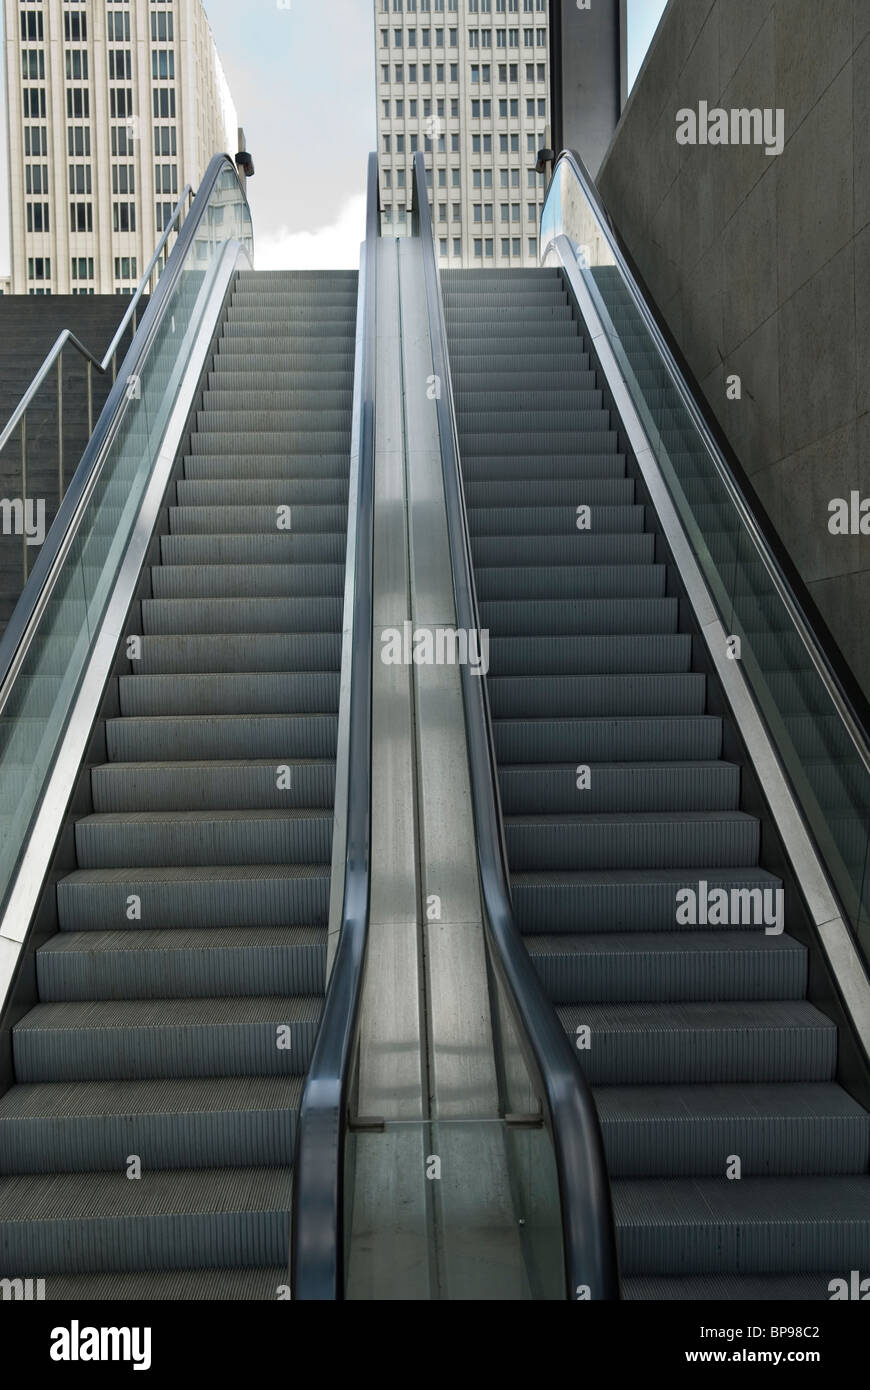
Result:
pixel 309 126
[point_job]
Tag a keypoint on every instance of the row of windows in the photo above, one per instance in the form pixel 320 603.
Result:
pixel 509 246
pixel 122 141
pixel 81 268
pixel 76 59
pixel 507 72
pixel 81 216
pixel 508 108
pixel 477 38
pixel 480 178
pixel 480 144
pixel 474 6
pixel 162 27
pixel 78 102
pixel 123 178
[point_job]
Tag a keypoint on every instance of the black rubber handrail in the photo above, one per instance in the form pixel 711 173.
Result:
pixel 44 572
pixel 317 1240
pixel 825 652
pixel 588 1236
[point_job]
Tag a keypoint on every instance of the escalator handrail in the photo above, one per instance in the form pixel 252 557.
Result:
pixel 25 617
pixel 589 1242
pixel 843 689
pixel 317 1227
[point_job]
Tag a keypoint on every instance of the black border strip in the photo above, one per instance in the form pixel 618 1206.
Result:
pixel 317 1238
pixel 588 1236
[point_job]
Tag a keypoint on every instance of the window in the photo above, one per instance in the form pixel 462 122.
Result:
pixel 36 178
pixel 81 217
pixel 82 268
pixel 39 268
pixel 457 246
pixel 121 101
pixel 123 178
pixel 34 101
pixel 164 102
pixel 76 64
pixel 162 26
pixel 35 140
pixel 126 268
pixel 124 217
pixel 80 178
pixel 165 140
pixel 118 27
pixel 120 65
pixel 162 64
pixel 31 27
pixel 33 64
pixel 533 246
pixel 37 217
pixel 78 140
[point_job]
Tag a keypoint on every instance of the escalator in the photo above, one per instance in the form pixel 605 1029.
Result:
pixel 739 1164
pixel 147 1138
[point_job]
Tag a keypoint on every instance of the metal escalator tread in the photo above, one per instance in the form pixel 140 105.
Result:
pixel 169 1285
pixel 699 1040
pixel 180 999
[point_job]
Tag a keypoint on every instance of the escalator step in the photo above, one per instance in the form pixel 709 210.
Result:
pixel 199 964
pixel 62 1127
pixel 180 898
pixel 658 967
pixel 90 1223
pixel 145 1039
pixel 709 1042
pixel 759 1226
pixel 689 1131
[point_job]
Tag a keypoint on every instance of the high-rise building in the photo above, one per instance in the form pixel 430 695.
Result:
pixel 467 82
pixel 113 106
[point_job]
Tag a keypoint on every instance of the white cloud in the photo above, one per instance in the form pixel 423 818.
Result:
pixel 335 247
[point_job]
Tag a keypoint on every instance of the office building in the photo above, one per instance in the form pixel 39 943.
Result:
pixel 467 82
pixel 112 109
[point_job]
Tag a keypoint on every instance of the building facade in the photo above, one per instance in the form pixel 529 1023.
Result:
pixel 467 82
pixel 112 107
